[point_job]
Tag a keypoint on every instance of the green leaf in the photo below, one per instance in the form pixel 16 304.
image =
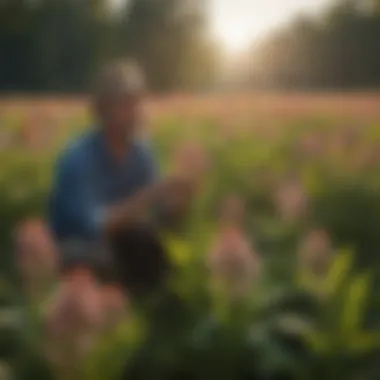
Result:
pixel 364 342
pixel 178 250
pixel 338 273
pixel 318 341
pixel 355 304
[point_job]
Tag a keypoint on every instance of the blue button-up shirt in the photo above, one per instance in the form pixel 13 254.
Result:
pixel 88 181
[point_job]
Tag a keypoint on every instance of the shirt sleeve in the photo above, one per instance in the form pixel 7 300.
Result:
pixel 150 175
pixel 151 172
pixel 75 212
pixel 160 213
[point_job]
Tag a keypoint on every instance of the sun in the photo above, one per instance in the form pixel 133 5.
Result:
pixel 238 24
pixel 235 38
pixel 238 32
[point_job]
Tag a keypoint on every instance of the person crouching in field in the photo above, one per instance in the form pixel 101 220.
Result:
pixel 108 199
pixel 108 194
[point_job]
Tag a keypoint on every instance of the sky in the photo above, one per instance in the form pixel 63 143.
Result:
pixel 237 22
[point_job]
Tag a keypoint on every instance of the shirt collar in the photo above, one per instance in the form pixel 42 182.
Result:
pixel 102 144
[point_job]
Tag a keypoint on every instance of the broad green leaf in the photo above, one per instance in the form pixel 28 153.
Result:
pixel 178 250
pixel 318 341
pixel 364 342
pixel 355 304
pixel 308 281
pixel 338 273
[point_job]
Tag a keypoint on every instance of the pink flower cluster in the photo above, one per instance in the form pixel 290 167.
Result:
pixel 78 313
pixel 291 200
pixel 79 310
pixel 315 252
pixel 36 256
pixel 232 259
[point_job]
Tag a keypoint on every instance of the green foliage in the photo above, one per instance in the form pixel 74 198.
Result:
pixel 38 40
pixel 169 39
pixel 291 325
pixel 312 51
pixel 332 212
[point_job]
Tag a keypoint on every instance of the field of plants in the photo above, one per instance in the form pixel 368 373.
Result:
pixel 277 268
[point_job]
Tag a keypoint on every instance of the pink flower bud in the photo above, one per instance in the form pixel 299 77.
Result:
pixel 115 305
pixel 74 317
pixel 76 306
pixel 311 144
pixel 232 211
pixel 190 161
pixel 291 201
pixel 315 252
pixel 36 253
pixel 233 261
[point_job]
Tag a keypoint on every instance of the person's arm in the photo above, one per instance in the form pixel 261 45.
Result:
pixel 77 210
pixel 129 211
pixel 169 199
pixel 173 195
pixel 190 164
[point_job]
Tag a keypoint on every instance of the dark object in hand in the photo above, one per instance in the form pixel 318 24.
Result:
pixel 140 261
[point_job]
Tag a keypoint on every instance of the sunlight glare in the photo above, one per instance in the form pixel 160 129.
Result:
pixel 234 38
pixel 237 24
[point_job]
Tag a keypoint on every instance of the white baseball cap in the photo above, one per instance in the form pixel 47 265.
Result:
pixel 119 78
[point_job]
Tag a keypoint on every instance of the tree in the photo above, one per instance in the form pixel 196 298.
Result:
pixel 338 50
pixel 169 39
pixel 68 43
pixel 56 45
pixel 16 23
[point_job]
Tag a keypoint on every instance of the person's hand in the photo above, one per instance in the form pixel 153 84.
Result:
pixel 173 187
pixel 175 193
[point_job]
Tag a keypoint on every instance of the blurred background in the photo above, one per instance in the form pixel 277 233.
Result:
pixel 282 98
pixel 55 45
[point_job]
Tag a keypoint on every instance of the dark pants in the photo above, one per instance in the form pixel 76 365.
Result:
pixel 135 258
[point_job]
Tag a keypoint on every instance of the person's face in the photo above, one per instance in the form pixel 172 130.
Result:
pixel 121 114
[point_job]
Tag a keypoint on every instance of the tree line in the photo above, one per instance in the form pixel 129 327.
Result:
pixel 339 49
pixel 57 45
